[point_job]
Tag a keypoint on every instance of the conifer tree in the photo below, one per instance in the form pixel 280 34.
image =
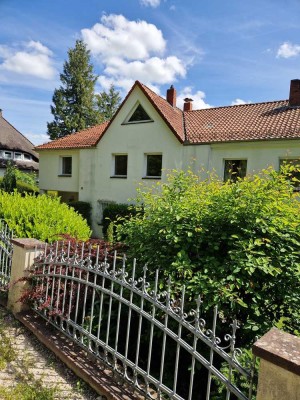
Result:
pixel 108 103
pixel 74 102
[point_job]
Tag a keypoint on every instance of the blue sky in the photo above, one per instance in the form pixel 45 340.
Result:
pixel 216 52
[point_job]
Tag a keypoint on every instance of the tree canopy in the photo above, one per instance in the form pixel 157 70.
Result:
pixel 74 105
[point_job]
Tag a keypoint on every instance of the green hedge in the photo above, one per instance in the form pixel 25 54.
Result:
pixel 113 212
pixel 41 217
pixel 83 208
pixel 23 187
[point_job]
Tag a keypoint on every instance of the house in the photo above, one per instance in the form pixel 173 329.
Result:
pixel 16 148
pixel 149 135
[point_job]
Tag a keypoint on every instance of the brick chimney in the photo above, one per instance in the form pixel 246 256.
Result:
pixel 294 99
pixel 187 106
pixel 171 96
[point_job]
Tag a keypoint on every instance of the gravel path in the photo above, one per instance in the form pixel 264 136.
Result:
pixel 32 358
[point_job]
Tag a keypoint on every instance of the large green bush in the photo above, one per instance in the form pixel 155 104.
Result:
pixel 41 217
pixel 83 208
pixel 236 244
pixel 115 214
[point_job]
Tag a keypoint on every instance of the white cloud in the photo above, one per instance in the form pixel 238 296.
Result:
pixel 151 3
pixel 239 102
pixel 115 36
pixel 287 50
pixel 198 98
pixel 34 60
pixel 130 51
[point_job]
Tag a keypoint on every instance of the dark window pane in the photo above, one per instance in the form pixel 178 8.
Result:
pixel 235 169
pixel 67 165
pixel 139 115
pixel 121 165
pixel 154 164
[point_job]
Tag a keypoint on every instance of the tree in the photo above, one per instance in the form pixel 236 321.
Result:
pixel 237 244
pixel 108 103
pixel 74 102
pixel 9 183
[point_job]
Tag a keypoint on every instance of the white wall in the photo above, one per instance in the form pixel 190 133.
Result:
pixel 50 171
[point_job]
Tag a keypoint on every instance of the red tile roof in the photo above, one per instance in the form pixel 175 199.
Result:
pixel 247 122
pixel 87 138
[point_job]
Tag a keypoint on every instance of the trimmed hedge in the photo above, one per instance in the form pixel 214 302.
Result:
pixel 41 217
pixel 113 212
pixel 83 208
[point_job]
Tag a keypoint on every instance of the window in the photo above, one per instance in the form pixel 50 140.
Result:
pixel 294 174
pixel 120 165
pixel 66 166
pixel 27 157
pixel 8 154
pixel 18 156
pixel 139 115
pixel 153 165
pixel 234 169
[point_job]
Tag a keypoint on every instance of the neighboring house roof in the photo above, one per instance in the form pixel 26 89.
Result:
pixel 87 138
pixel 13 140
pixel 247 122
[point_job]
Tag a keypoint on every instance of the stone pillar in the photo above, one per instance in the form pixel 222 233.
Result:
pixel 24 252
pixel 279 371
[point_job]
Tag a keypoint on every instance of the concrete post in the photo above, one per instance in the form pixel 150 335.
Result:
pixel 24 252
pixel 279 371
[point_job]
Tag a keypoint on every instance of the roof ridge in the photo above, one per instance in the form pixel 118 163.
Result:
pixel 158 95
pixel 17 131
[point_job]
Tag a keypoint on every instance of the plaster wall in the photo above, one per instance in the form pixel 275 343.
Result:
pixel 50 177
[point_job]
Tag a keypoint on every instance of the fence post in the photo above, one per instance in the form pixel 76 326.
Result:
pixel 25 250
pixel 279 371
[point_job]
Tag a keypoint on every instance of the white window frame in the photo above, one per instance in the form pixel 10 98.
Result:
pixel 113 167
pixel 16 154
pixel 5 153
pixel 146 166
pixel 62 173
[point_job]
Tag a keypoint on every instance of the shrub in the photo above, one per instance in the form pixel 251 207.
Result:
pixel 115 214
pixel 9 181
pixel 83 208
pixel 41 217
pixel 236 244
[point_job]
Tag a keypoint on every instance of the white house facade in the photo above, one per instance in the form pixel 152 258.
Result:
pixel 149 135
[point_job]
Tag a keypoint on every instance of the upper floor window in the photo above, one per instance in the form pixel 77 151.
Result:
pixel 120 165
pixel 66 166
pixel 27 157
pixel 234 169
pixel 138 115
pixel 153 165
pixel 18 156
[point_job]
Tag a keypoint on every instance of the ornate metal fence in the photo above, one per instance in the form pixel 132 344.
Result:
pixel 6 249
pixel 146 336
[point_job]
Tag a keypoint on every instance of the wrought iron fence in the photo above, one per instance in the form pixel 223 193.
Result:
pixel 145 335
pixel 6 249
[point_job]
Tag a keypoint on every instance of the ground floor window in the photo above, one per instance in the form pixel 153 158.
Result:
pixel 120 165
pixel 294 174
pixel 153 165
pixel 234 169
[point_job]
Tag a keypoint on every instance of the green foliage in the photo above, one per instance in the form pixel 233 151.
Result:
pixel 108 103
pixel 83 208
pixel 236 244
pixel 30 178
pixel 9 182
pixel 41 217
pixel 23 187
pixel 115 214
pixel 74 102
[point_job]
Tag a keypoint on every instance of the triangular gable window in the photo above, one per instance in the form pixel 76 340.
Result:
pixel 139 115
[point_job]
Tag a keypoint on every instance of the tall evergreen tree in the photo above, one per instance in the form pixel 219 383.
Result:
pixel 74 102
pixel 108 103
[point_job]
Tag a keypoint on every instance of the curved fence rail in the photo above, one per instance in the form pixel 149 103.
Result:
pixel 6 249
pixel 155 341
